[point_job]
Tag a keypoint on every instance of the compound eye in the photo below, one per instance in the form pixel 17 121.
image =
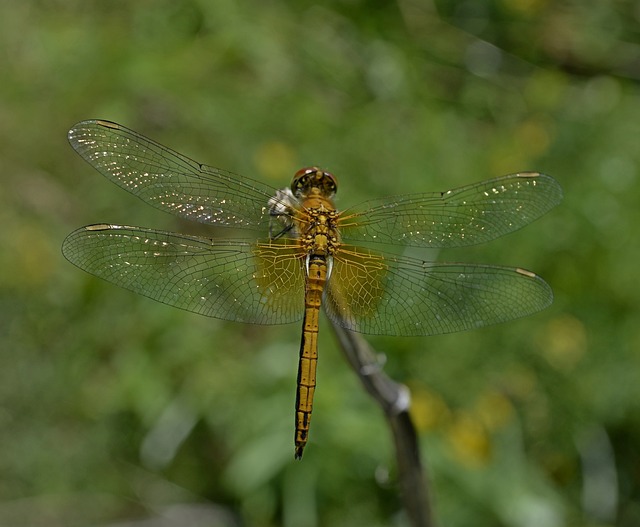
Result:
pixel 301 178
pixel 333 182
pixel 304 172
pixel 313 176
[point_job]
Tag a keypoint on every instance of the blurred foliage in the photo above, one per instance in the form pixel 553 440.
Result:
pixel 114 408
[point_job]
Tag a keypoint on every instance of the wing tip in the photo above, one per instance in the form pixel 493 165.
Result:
pixel 541 282
pixel 553 184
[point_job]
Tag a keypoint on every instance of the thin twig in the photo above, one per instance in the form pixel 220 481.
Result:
pixel 394 399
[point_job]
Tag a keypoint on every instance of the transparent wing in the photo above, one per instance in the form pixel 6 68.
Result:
pixel 170 181
pixel 381 294
pixel 259 283
pixel 465 216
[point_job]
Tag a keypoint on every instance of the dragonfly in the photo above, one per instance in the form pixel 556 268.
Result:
pixel 298 253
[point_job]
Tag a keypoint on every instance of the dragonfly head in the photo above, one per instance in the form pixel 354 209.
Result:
pixel 309 178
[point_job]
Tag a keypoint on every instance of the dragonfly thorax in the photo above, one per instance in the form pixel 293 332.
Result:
pixel 319 231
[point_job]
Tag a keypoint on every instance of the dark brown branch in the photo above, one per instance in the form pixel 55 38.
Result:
pixel 394 399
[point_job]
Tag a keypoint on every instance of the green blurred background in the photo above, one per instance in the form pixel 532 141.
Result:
pixel 114 408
